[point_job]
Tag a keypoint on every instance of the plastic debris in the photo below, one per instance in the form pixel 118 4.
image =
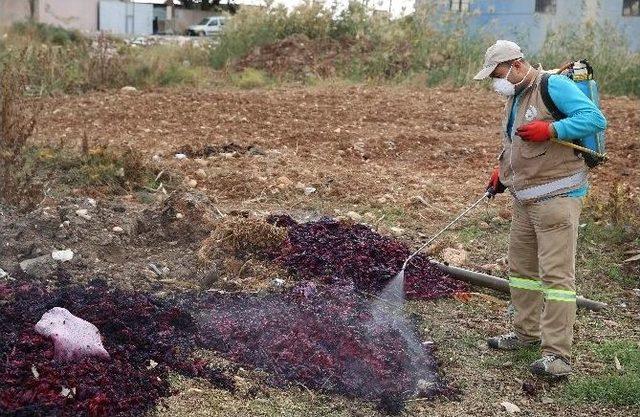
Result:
pixel 72 336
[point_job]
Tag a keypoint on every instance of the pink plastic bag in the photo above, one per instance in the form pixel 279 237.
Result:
pixel 72 336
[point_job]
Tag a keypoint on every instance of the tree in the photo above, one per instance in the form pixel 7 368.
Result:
pixel 215 5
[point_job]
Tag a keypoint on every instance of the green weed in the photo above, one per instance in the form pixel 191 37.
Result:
pixel 616 387
pixel 250 78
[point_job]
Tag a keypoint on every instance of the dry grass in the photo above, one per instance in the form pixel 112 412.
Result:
pixel 17 122
pixel 235 254
pixel 241 237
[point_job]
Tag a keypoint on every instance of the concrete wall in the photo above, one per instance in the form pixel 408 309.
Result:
pixel 70 14
pixel 517 19
pixel 125 18
pixel 13 11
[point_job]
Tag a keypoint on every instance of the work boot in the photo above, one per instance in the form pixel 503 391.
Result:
pixel 509 341
pixel 551 366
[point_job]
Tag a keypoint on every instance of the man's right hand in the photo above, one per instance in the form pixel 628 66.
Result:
pixel 495 186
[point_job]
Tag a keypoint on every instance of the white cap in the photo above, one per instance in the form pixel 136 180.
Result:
pixel 501 51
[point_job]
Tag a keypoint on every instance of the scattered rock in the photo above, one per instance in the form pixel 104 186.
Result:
pixel 490 267
pixel 256 150
pixel 278 282
pixel 39 267
pixel 118 229
pixel 62 255
pixel 547 400
pixel 483 225
pixel 192 183
pixel 84 213
pixel 369 217
pixel 128 89
pixel 179 216
pixel 498 220
pixel 417 200
pixel 201 173
pixel 180 156
pixel 309 190
pixel 398 231
pixel 354 216
pixel 617 364
pixel 159 271
pixel 156 158
pixel 454 256
pixel 284 182
pixel 510 407
pixel 3 274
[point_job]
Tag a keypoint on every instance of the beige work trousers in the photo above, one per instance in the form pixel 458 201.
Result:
pixel 542 252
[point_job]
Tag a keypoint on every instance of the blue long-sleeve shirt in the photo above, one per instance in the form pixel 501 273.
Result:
pixel 584 118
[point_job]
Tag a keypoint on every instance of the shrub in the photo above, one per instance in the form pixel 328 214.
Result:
pixel 249 78
pixel 17 121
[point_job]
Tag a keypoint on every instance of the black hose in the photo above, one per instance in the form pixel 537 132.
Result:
pixel 502 285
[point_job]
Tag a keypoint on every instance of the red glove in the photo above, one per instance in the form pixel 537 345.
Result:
pixel 495 186
pixel 536 131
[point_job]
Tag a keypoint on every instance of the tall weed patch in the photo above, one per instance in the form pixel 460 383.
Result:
pixel 616 68
pixel 442 49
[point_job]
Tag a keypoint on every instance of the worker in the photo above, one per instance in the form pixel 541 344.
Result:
pixel 548 182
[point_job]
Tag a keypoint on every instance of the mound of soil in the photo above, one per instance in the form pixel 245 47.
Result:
pixel 297 56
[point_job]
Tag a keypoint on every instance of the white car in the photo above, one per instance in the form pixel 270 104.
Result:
pixel 208 26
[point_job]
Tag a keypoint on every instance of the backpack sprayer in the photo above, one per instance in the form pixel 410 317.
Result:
pixel 591 147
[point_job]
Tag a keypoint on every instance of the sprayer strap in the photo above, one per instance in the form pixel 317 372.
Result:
pixel 547 100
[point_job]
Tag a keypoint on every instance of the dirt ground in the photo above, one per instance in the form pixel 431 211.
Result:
pixel 402 159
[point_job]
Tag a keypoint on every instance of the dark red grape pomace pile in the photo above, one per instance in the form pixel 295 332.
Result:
pixel 319 335
pixel 136 330
pixel 339 252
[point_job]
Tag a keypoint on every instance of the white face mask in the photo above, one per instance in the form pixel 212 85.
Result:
pixel 505 87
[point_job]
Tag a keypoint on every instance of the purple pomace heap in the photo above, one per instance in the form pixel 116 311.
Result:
pixel 342 252
pixel 322 334
pixel 135 328
pixel 322 338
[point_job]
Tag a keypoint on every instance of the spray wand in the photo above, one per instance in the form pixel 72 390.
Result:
pixel 444 229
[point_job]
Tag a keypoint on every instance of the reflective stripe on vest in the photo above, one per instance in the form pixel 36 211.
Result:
pixel 525 284
pixel 564 184
pixel 560 295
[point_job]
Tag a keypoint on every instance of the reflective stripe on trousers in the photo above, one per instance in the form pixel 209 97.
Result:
pixel 536 285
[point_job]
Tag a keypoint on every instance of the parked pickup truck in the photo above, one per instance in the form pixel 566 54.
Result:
pixel 208 26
